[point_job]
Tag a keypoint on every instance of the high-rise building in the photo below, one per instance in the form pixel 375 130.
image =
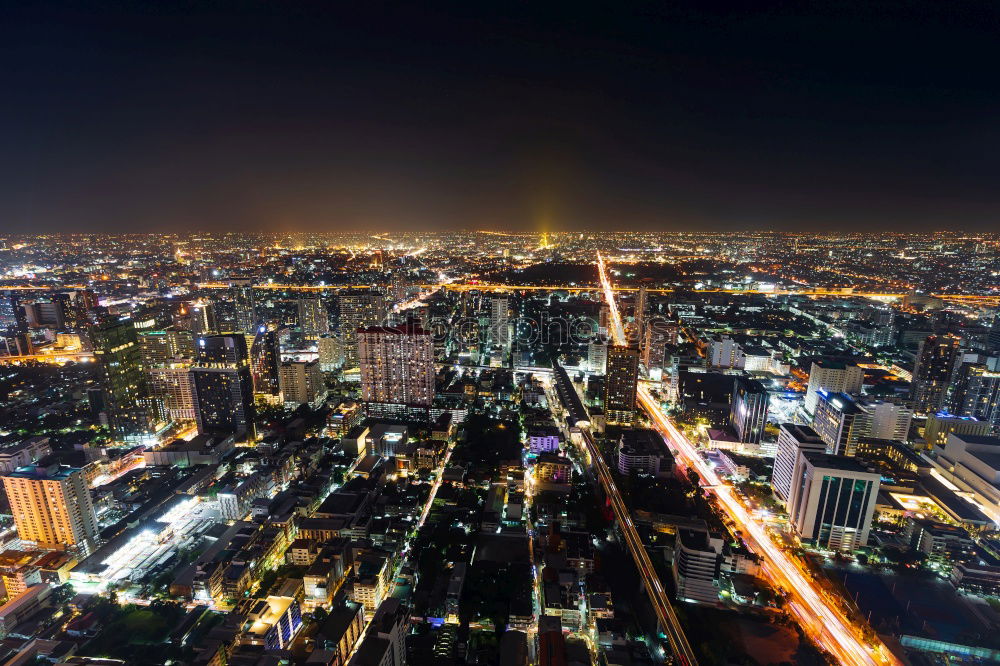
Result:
pixel 301 383
pixel 697 557
pixel 11 313
pixel 933 371
pixel 244 304
pixel 621 381
pixel 265 358
pixel 834 501
pixel 639 313
pixel 46 314
pixel 597 355
pixel 51 506
pixel 397 367
pixel 993 338
pixel 331 352
pixel 131 414
pixel 841 421
pixel 202 318
pixel 313 318
pixel 159 348
pixel 724 352
pixel 977 394
pixel 358 309
pixel 793 440
pixel 172 384
pixel 500 322
pixel 832 377
pixel 223 387
pixel 748 409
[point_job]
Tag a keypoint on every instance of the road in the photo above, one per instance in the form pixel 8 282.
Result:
pixel 816 611
pixel 665 614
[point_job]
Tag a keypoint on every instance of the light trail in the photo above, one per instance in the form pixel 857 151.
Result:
pixel 815 612
pixel 617 329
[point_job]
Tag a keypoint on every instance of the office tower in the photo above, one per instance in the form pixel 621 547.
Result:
pixel 173 386
pixel 331 352
pixel 993 338
pixel 977 394
pixel 793 440
pixel 265 358
pixel 154 349
pixel 84 303
pixel 313 318
pixel 748 409
pixel 51 506
pixel 11 313
pixel 834 501
pixel 932 372
pixel 223 387
pixel 660 337
pixel 500 322
pixel 939 426
pixel 639 314
pixel 888 419
pixel 603 319
pixel 130 412
pixel 832 377
pixel 620 383
pixel 397 367
pixel 159 348
pixel 46 314
pixel 244 304
pixel 356 310
pixel 301 383
pixel 597 355
pixel 202 319
pixel 842 420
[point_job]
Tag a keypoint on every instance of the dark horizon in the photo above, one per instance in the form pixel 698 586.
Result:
pixel 306 118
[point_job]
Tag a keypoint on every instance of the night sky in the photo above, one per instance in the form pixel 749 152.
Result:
pixel 136 116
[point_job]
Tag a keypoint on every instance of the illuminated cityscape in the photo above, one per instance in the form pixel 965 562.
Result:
pixel 502 465
pixel 484 334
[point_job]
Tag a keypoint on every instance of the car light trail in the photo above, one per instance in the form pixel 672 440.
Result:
pixel 820 619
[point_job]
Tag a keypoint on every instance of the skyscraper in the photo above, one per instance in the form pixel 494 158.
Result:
pixel 993 338
pixel 597 355
pixel 500 322
pixel 932 373
pixel 244 304
pixel 748 409
pixel 265 357
pixel 51 506
pixel 358 309
pixel 620 383
pixel 977 394
pixel 331 352
pixel 832 377
pixel 793 440
pixel 834 502
pixel 223 387
pixel 172 384
pixel 313 318
pixel 841 421
pixel 202 318
pixel 397 368
pixel 130 411
pixel 301 383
